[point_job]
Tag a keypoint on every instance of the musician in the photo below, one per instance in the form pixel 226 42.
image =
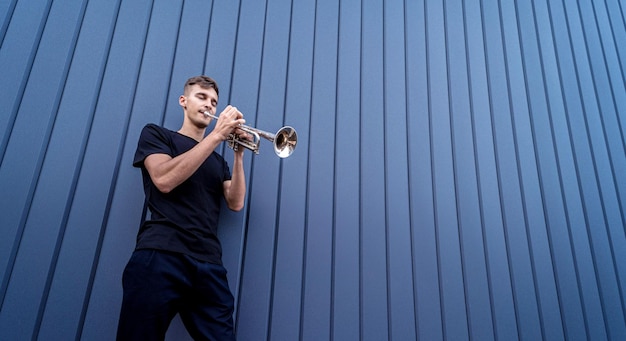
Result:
pixel 176 266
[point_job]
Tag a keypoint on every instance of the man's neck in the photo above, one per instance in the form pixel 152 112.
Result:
pixel 193 132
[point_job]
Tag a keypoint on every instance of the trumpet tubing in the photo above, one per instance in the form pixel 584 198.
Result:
pixel 284 140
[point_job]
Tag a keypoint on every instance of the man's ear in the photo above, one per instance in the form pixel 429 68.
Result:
pixel 182 100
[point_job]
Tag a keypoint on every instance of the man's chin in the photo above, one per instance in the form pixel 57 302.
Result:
pixel 205 119
pixel 201 123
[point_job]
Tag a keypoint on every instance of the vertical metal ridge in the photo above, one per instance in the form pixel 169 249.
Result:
pixel 453 158
pixel 409 153
pixel 432 169
pixel 331 329
pixel 360 184
pixel 385 172
pixel 360 170
pixel 308 185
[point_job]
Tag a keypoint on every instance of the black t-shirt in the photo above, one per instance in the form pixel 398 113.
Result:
pixel 185 219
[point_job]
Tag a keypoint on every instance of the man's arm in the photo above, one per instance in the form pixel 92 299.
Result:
pixel 235 189
pixel 167 172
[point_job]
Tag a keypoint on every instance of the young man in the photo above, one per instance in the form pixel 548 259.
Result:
pixel 176 266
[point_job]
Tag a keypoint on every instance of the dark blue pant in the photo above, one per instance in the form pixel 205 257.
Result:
pixel 157 285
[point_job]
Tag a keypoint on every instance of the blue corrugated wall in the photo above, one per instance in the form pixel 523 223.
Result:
pixel 460 172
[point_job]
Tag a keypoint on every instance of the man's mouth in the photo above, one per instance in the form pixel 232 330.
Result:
pixel 207 114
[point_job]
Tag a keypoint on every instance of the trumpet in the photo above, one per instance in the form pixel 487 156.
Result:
pixel 284 140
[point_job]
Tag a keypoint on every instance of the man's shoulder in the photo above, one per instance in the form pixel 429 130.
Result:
pixel 154 126
pixel 152 140
pixel 155 129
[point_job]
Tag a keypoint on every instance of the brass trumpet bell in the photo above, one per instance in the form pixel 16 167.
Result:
pixel 285 141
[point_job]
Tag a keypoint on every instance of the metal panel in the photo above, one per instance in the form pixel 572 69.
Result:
pixel 458 173
pixel 253 304
pixel 470 229
pixel 37 190
pixel 317 266
pixel 374 307
pixel 400 294
pixel 291 232
pixel 347 211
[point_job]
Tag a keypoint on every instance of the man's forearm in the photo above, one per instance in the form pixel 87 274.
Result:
pixel 236 192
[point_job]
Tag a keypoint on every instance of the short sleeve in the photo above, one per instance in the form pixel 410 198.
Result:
pixel 152 140
pixel 226 170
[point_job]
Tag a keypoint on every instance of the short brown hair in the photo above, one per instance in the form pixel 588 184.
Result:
pixel 204 82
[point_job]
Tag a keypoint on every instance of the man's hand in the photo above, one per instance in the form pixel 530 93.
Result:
pixel 228 122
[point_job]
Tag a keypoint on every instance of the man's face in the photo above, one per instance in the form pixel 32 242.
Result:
pixel 196 101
